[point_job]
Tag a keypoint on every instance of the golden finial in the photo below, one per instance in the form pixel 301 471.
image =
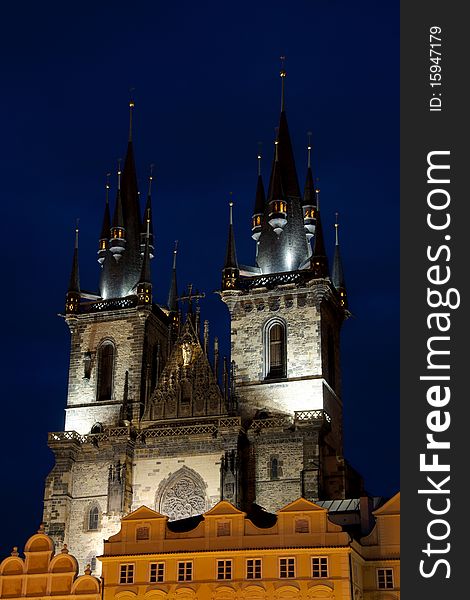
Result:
pixel 151 178
pixel 309 148
pixel 76 233
pixel 119 173
pixel 336 228
pixel 131 109
pixel 175 252
pixel 259 157
pixel 283 76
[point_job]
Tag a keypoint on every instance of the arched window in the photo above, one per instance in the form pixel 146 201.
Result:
pixel 275 349
pixel 93 518
pixel 105 371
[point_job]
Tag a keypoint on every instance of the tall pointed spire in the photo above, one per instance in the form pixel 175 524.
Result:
pixel 148 210
pixel 337 274
pixel 230 272
pixel 131 108
pixel 73 293
pixel 309 204
pixel 287 250
pixel 260 202
pixel 117 243
pixel 283 76
pixel 106 227
pixel 319 259
pixel 172 302
pixel 144 287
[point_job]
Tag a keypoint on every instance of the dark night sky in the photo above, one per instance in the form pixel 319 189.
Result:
pixel 206 79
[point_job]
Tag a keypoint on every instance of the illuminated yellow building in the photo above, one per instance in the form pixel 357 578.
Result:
pixel 223 555
pixel 42 575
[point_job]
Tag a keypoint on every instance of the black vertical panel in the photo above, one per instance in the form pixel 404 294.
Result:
pixel 424 131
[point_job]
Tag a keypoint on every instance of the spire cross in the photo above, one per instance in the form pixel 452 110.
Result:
pixel 259 158
pixel 190 296
pixel 76 233
pixel 151 178
pixel 336 228
pixel 131 107
pixel 283 76
pixel 309 148
pixel 175 252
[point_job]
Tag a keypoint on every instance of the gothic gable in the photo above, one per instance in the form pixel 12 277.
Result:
pixel 187 386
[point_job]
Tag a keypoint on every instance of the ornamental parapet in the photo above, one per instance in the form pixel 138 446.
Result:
pixel 300 418
pixel 156 430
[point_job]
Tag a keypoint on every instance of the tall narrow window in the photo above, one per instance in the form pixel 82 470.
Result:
pixel 275 349
pixel 105 371
pixel 93 518
pixel 331 359
pixel 274 474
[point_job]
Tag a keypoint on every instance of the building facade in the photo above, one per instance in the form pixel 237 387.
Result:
pixel 155 418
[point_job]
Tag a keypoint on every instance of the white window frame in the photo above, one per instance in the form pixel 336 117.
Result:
pixel 128 579
pixel 159 565
pixel 185 564
pixel 254 561
pixel 385 570
pixel 320 567
pixel 287 559
pixel 224 563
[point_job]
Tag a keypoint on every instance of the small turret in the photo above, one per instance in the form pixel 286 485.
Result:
pixel 117 243
pixel 231 272
pixel 319 259
pixel 260 202
pixel 277 202
pixel 105 229
pixel 309 204
pixel 172 302
pixel 144 287
pixel 148 211
pixel 72 303
pixel 337 274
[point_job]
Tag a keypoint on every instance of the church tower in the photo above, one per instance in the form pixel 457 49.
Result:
pixel 146 421
pixel 154 418
pixel 286 315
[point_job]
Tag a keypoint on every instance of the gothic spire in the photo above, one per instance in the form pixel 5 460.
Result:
pixel 73 293
pixel 282 245
pixel 260 202
pixel 319 259
pixel 144 287
pixel 106 227
pixel 172 302
pixel 230 272
pixel 337 274
pixel 309 203
pixel 148 211
pixel 74 283
pixel 118 232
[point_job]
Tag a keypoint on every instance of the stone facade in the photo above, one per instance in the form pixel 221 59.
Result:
pixel 148 422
